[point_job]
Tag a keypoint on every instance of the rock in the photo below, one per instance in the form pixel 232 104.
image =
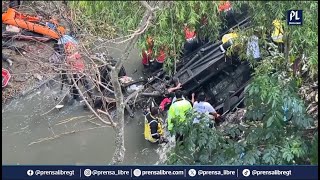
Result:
pixel 38 76
pixel 59 106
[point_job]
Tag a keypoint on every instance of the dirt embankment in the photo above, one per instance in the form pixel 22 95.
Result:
pixel 31 66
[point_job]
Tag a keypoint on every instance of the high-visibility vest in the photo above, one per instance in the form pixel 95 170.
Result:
pixel 178 110
pixel 277 34
pixel 147 130
pixel 229 36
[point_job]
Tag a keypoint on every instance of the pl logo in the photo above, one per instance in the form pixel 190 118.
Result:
pixel 294 17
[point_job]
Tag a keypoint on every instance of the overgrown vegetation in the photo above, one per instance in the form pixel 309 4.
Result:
pixel 275 128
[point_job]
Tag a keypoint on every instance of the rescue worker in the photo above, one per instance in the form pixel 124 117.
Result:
pixel 147 54
pixel 172 86
pixel 227 40
pixel 160 59
pixel 191 43
pixel 277 34
pixel 225 8
pixel 178 111
pixel 153 131
pixel 203 107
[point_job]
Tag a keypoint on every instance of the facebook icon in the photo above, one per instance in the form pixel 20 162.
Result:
pixel 294 17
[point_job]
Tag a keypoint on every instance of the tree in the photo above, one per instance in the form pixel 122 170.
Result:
pixel 273 131
pixel 114 73
pixel 276 123
pixel 119 141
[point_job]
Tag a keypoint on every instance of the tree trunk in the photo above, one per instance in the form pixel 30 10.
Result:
pixel 118 155
pixel 287 49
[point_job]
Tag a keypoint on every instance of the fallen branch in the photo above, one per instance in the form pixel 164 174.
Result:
pixel 105 113
pixel 132 95
pixel 89 106
pixel 69 120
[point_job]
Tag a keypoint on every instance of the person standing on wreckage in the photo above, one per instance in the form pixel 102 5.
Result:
pixel 191 43
pixel 227 40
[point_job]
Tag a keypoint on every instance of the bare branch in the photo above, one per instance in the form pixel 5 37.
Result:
pixel 132 95
pixel 89 106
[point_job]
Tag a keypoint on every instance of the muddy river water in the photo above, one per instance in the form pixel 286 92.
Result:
pixel 25 120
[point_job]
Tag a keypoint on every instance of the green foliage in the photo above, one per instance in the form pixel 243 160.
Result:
pixel 117 18
pixel 107 19
pixel 301 39
pixel 170 20
pixel 258 144
pixel 314 150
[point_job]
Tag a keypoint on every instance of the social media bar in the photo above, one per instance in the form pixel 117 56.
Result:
pixel 159 172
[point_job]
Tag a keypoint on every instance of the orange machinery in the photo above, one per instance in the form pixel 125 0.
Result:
pixel 32 23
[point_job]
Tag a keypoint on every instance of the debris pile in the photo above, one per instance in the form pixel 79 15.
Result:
pixel 309 93
pixel 29 52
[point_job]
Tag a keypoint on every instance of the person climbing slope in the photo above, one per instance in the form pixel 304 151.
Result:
pixel 277 34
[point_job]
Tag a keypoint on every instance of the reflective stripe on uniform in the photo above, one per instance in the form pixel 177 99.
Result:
pixel 153 121
pixel 147 129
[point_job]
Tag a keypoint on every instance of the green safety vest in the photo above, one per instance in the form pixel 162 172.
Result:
pixel 178 109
